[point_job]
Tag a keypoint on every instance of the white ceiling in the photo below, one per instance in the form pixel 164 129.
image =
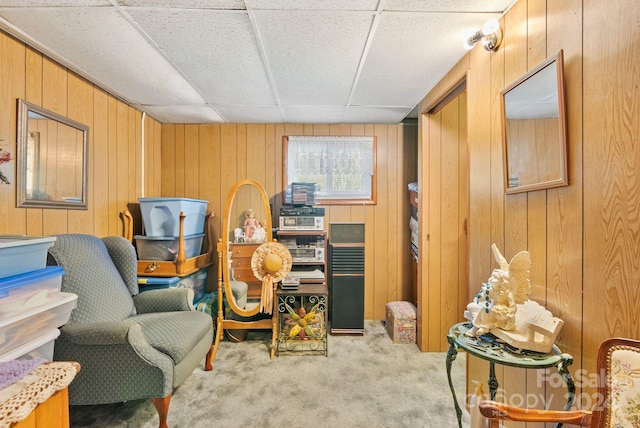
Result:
pixel 256 61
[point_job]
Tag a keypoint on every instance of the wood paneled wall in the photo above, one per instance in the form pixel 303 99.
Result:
pixel 198 161
pixel 205 161
pixel 115 171
pixel 583 238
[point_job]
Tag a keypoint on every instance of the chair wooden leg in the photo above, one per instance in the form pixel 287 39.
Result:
pixel 207 361
pixel 162 406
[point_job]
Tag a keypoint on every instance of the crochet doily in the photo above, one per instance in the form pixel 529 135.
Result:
pixel 19 399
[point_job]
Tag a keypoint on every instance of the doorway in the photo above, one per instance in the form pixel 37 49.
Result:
pixel 443 212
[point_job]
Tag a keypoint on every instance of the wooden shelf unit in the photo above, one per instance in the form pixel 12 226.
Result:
pixel 311 241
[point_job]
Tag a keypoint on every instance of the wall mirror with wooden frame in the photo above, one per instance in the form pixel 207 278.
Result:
pixel 52 159
pixel 534 129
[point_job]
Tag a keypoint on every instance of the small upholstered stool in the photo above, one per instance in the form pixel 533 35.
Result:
pixel 401 322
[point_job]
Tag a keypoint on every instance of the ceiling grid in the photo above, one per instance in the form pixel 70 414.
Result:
pixel 256 61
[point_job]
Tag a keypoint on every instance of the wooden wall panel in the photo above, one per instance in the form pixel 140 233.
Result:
pixel 12 65
pixel 434 232
pixel 450 284
pixel 33 93
pixel 80 108
pixel 611 175
pixel 99 162
pixel 230 152
pixel 583 237
pixel 114 162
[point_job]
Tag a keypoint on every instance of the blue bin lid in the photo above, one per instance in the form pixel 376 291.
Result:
pixel 9 283
pixel 166 238
pixel 172 200
pixel 157 280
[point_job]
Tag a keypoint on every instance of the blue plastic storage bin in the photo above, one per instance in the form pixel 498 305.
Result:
pixel 166 248
pixel 161 216
pixel 20 254
pixel 197 281
pixel 153 283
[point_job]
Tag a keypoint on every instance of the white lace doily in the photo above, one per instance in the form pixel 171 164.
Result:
pixel 18 400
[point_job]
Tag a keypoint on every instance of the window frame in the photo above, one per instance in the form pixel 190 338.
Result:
pixel 371 200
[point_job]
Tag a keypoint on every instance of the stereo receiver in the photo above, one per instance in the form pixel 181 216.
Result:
pixel 301 223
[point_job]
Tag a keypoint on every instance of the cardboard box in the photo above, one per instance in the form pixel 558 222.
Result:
pixel 401 322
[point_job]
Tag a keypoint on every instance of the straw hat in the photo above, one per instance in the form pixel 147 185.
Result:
pixel 271 263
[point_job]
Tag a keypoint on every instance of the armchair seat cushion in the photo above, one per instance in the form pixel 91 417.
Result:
pixel 174 333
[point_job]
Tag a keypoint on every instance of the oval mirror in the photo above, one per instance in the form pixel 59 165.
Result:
pixel 246 225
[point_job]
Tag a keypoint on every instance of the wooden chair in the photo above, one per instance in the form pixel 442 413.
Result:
pixel 618 369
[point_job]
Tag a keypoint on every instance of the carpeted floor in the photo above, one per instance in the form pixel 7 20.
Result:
pixel 365 381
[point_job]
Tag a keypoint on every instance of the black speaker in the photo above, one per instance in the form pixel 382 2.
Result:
pixel 346 278
pixel 346 233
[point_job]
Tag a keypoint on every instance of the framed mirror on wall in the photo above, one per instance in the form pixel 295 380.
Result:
pixel 51 159
pixel 534 129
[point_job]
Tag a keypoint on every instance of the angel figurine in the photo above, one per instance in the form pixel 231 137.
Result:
pixel 503 308
pixel 496 304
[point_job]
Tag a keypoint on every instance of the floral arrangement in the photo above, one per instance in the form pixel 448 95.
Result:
pixel 5 157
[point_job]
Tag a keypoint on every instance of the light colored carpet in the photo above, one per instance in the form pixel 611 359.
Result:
pixel 366 381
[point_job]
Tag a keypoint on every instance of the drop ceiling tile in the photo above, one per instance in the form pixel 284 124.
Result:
pixel 99 42
pixel 400 68
pixel 185 4
pixel 251 114
pixel 448 5
pixel 313 114
pixel 357 114
pixel 370 5
pixel 183 114
pixel 313 56
pixel 216 50
pixel 55 3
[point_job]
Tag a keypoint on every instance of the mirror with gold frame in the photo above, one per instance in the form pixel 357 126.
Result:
pixel 244 195
pixel 52 159
pixel 534 129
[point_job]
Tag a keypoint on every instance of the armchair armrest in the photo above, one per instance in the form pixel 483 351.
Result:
pixel 164 300
pixel 494 410
pixel 98 333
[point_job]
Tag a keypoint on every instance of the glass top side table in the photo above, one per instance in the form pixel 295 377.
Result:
pixel 496 353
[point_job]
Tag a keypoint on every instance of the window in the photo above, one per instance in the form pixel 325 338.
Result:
pixel 343 168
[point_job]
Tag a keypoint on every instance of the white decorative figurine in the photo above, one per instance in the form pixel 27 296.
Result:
pixel 503 308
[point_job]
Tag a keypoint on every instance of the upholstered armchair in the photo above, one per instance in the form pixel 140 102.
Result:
pixel 130 345
pixel 618 393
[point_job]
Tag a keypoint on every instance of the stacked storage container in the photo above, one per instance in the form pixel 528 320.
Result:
pixel 161 220
pixel 32 307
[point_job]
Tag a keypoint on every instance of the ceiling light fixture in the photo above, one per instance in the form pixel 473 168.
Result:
pixel 490 35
